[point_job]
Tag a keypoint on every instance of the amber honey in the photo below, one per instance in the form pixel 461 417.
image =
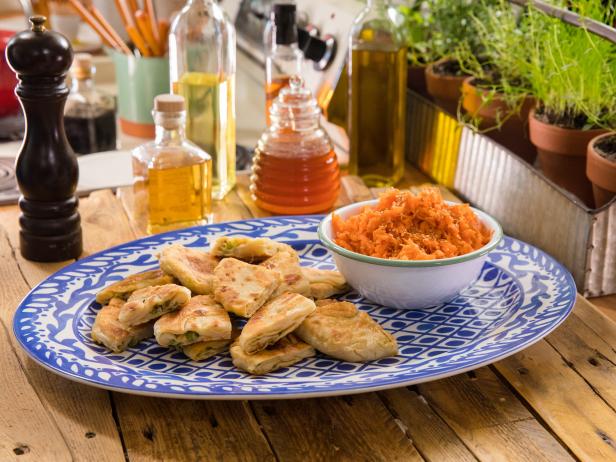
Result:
pixel 295 184
pixel 295 170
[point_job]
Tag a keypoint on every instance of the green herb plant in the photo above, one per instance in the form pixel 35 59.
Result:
pixel 572 72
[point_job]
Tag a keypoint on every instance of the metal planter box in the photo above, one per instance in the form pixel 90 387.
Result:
pixel 529 206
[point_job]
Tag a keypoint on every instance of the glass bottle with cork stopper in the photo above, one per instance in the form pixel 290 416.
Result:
pixel 295 169
pixel 172 176
pixel 89 114
pixel 284 58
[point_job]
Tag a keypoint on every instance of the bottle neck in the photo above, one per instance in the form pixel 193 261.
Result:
pixel 167 135
pixel 82 85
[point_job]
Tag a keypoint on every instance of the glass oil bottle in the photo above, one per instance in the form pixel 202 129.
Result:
pixel 172 177
pixel 202 70
pixel 89 114
pixel 284 57
pixel 377 96
pixel 295 169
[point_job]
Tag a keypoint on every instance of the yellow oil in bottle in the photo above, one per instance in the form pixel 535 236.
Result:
pixel 210 123
pixel 377 115
pixel 178 196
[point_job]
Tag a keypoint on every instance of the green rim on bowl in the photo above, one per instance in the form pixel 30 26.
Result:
pixel 487 219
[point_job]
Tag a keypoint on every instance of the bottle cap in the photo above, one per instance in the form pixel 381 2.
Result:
pixel 169 103
pixel 283 17
pixel 82 66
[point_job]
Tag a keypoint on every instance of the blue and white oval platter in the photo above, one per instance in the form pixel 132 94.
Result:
pixel 521 295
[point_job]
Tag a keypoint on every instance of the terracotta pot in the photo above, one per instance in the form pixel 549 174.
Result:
pixel 562 155
pixel 416 80
pixel 445 89
pixel 513 133
pixel 601 172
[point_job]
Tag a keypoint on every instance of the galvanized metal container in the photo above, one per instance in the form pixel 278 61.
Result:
pixel 528 205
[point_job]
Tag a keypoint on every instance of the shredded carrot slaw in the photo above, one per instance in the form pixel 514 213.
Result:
pixel 407 226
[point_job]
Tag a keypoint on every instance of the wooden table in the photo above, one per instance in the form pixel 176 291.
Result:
pixel 554 401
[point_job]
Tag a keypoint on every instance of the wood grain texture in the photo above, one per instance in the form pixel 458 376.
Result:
pixel 178 430
pixel 489 419
pixel 607 305
pixel 433 438
pixel 565 401
pixel 353 428
pixel 42 416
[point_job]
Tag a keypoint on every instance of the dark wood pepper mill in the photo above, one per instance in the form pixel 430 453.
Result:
pixel 46 167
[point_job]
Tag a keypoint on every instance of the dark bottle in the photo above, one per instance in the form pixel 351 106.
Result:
pixel 46 167
pixel 89 115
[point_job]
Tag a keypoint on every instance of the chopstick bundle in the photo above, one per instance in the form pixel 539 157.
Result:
pixel 148 34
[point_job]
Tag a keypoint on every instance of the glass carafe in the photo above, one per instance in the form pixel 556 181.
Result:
pixel 377 95
pixel 295 169
pixel 202 70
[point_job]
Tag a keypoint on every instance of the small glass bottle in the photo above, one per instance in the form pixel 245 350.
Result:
pixel 295 169
pixel 172 176
pixel 202 70
pixel 89 114
pixel 377 95
pixel 284 58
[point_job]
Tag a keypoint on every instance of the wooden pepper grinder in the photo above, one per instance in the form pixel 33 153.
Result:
pixel 46 168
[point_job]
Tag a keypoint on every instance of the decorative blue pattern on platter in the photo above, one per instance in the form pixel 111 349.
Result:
pixel 521 295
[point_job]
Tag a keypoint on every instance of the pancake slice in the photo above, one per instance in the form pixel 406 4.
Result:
pixel 243 288
pixel 247 249
pixel 109 331
pixel 124 288
pixel 202 319
pixel 287 351
pixel 292 277
pixel 193 268
pixel 274 320
pixel 325 283
pixel 341 331
pixel 152 302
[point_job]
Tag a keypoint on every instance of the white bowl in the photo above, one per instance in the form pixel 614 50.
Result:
pixel 407 284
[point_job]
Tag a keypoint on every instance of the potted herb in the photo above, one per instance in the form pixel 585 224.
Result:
pixel 496 96
pixel 573 77
pixel 601 168
pixel 450 27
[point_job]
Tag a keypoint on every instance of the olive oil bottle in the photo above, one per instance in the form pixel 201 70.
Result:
pixel 172 186
pixel 377 96
pixel 202 69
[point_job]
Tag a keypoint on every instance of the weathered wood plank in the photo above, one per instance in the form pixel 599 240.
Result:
pixel 230 208
pixel 81 413
pixel 596 320
pixel 606 305
pixel 28 427
pixel 33 272
pixel 354 428
pixel 489 419
pixel 164 429
pixel 571 408
pixel 589 355
pixel 432 437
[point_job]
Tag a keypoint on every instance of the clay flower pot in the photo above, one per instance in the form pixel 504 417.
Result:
pixel 562 155
pixel 445 89
pixel 601 171
pixel 492 108
pixel 416 79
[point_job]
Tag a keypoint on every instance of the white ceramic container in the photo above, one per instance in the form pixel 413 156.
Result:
pixel 407 284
